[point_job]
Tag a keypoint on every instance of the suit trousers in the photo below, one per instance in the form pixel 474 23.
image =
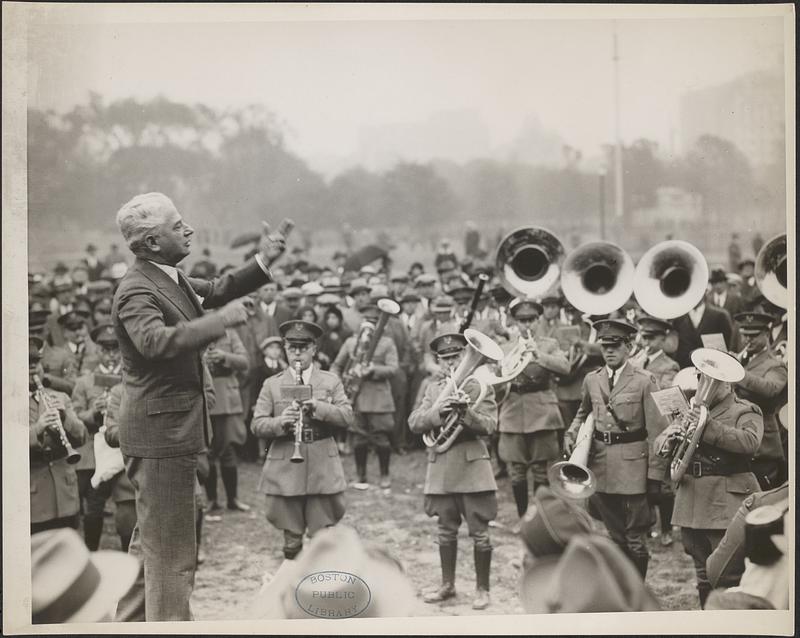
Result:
pixel 164 536
pixel 627 517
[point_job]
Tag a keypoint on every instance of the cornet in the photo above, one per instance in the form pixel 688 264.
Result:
pixel 480 349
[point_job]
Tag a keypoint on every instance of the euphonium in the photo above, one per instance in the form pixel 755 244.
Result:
pixel 715 367
pixel 72 455
pixel 480 349
pixel 573 479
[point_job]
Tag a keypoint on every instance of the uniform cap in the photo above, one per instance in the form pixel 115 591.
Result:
pixel 104 335
pixel 448 343
pixel 300 331
pixel 399 277
pixel 71 320
pixel 550 299
pixel 551 522
pixel 425 279
pixel 358 286
pixel 653 326
pixel 613 330
pixel 409 297
pixel 753 322
pixel 461 294
pixel 520 308
pixel 442 303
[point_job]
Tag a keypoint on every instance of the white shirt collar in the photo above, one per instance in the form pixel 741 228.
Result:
pixel 171 271
pixel 651 357
pixel 616 373
pixel 696 314
pixel 720 298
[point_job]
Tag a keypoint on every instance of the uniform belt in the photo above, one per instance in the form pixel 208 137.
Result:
pixel 525 388
pixel 48 455
pixel 722 468
pixel 612 438
pixel 311 433
pixel 465 435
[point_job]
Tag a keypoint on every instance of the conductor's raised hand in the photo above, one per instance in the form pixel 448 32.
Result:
pixel 273 244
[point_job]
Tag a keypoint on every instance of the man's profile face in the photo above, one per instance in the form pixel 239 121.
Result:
pixel 173 238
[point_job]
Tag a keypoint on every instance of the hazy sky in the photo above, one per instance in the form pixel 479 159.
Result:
pixel 326 80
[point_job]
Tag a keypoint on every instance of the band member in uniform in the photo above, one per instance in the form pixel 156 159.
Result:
pixel 459 484
pixel 54 484
pixel 226 358
pixel 764 384
pixel 618 395
pixel 529 418
pixel 651 357
pixel 719 476
pixel 374 407
pixel 304 496
pixel 90 401
pixel 75 356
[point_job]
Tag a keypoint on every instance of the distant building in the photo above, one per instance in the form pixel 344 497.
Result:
pixel 748 111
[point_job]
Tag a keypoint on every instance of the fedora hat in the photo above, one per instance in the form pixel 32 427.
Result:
pixel 71 584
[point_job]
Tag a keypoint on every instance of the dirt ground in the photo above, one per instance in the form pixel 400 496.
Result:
pixel 241 547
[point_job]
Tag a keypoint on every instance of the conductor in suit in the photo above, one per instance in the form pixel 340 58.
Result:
pixel 164 417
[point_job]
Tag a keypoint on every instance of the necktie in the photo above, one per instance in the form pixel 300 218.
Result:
pixel 611 376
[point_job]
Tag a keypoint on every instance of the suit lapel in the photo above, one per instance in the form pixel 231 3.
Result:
pixel 188 290
pixel 168 288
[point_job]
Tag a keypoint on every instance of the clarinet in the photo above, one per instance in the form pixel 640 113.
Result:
pixel 297 456
pixel 476 297
pixel 72 455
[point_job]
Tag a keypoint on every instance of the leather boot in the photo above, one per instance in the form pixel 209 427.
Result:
pixel 230 479
pixel 198 528
pixel 211 487
pixel 92 531
pixel 483 565
pixel 447 556
pixel 520 491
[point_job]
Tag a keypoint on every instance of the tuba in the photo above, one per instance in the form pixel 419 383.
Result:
pixel 528 262
pixel 480 349
pixel 573 479
pixel 670 279
pixel 366 343
pixel 715 367
pixel 597 278
pixel 770 271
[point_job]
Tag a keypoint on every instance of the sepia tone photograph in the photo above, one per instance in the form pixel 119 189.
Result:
pixel 431 320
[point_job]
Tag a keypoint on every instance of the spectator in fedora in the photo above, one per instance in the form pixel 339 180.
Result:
pixel 69 584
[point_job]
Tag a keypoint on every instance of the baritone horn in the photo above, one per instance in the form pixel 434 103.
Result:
pixel 670 279
pixel 770 271
pixel 573 479
pixel 597 278
pixel 528 261
pixel 480 349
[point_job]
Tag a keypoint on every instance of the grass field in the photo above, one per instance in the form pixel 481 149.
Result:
pixel 241 547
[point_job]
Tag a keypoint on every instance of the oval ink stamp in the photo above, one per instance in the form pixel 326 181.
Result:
pixel 333 594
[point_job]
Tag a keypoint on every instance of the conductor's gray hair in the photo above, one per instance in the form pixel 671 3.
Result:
pixel 140 216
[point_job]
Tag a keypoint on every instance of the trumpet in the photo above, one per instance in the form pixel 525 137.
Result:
pixel 715 368
pixel 72 455
pixel 297 456
pixel 480 349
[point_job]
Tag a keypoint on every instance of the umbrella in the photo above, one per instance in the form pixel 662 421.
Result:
pixel 252 237
pixel 364 256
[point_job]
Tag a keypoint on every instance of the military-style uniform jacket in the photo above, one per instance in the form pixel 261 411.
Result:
pixel 61 362
pixel 465 467
pixel 733 432
pixel 620 468
pixel 321 473
pixel 764 384
pixel 83 396
pixel 376 392
pixel 54 483
pixel 228 400
pixel 532 404
pixel 663 368
pixel 725 566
